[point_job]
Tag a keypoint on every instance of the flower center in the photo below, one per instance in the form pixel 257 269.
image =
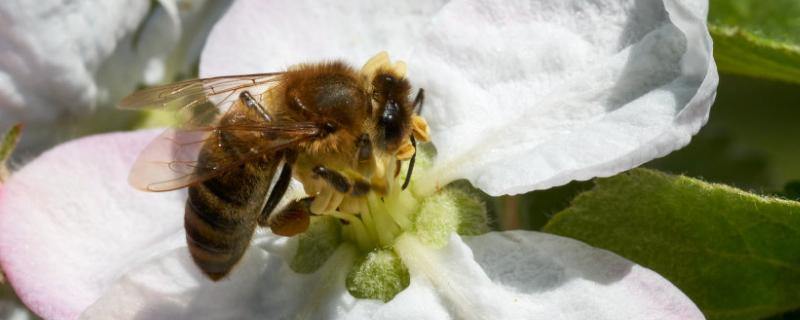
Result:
pixel 382 219
pixel 376 230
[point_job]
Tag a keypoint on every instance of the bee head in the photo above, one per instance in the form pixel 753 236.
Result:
pixel 390 94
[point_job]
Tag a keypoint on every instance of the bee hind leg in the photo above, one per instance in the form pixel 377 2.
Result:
pixel 277 192
pixel 293 219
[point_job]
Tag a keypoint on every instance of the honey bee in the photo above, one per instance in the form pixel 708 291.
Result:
pixel 341 132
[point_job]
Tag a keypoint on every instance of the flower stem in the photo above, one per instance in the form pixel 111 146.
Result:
pixel 510 214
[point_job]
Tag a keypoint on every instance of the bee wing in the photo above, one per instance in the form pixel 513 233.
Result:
pixel 195 150
pixel 173 159
pixel 200 102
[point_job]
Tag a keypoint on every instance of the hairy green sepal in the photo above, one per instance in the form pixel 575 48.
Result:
pixel 379 274
pixel 316 245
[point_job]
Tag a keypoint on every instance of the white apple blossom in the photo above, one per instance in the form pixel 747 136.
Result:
pixel 522 95
pixel 60 61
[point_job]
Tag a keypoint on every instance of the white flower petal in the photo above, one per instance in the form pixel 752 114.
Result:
pixel 268 36
pixel 262 287
pixel 518 275
pixel 59 61
pixel 70 224
pixel 530 94
pixel 529 275
pixel 580 281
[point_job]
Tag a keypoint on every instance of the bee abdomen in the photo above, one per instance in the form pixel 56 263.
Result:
pixel 216 245
pixel 222 212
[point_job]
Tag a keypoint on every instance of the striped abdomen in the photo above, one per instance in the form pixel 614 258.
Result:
pixel 222 212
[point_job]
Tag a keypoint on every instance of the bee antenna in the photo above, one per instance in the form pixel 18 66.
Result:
pixel 410 164
pixel 419 100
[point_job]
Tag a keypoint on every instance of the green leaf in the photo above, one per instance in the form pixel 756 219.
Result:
pixel 757 38
pixel 735 254
pixel 7 146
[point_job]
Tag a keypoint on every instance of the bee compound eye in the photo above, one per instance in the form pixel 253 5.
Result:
pixel 390 113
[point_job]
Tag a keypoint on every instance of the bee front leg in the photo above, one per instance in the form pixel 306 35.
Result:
pixel 329 198
pixel 335 179
pixel 339 187
pixel 357 186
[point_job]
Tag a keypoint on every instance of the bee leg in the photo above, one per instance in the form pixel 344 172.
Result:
pixel 253 104
pixel 357 186
pixel 323 201
pixel 419 101
pixel 277 192
pixel 360 187
pixel 292 219
pixel 337 180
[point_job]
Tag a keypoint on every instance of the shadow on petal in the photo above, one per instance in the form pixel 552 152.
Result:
pixel 530 275
pixel 533 262
pixel 564 278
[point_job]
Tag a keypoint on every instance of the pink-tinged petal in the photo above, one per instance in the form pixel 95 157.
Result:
pixel 262 287
pixel 268 36
pixel 70 224
pixel 530 94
